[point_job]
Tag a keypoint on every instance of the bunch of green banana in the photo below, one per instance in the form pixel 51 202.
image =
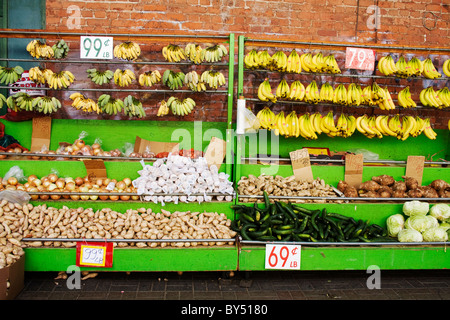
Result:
pixel 387 65
pixel 100 77
pixel 415 67
pixel 193 52
pixel 404 98
pixel 312 93
pixel 37 74
pixel 123 78
pixel 22 101
pixel 163 109
pixel 80 102
pixel 109 105
pixel 214 79
pixel 180 107
pixel 296 91
pixel 251 60
pixel 283 90
pixel 46 105
pixel 340 95
pixel 2 100
pixel 39 49
pixel 59 80
pixel 132 107
pixel 431 98
pixel 60 49
pixel 278 62
pixel 429 70
pixel 173 53
pixel 11 104
pixel 192 80
pixel 127 50
pixel 149 78
pixel 10 75
pixel 265 92
pixel 354 94
pixel 173 80
pixel 446 67
pixel 326 92
pixel 403 70
pixel 214 53
pixel 331 64
pixel 293 64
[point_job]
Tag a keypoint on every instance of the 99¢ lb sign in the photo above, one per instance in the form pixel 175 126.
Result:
pixel 283 256
pixel 94 254
pixel 96 47
pixel 362 59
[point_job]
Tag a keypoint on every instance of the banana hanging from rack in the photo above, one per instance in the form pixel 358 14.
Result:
pixel 265 92
pixel 296 91
pixel 59 80
pixel 430 98
pixel 293 64
pixel 214 79
pixel 193 52
pixel 251 60
pixel 312 93
pixel 10 75
pixel 446 67
pixel 123 78
pixel 46 105
pixel 149 78
pixel 172 79
pixel 279 62
pixel 283 90
pixel 36 74
pixel 429 70
pixel 110 105
pixel 132 107
pixel 127 50
pixel 180 107
pixel 38 49
pixel 80 102
pixel 163 109
pixel 214 53
pixel 326 93
pixel 387 65
pixel 60 49
pixel 404 98
pixel 100 77
pixel 192 81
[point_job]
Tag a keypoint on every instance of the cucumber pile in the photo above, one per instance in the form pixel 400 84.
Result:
pixel 281 221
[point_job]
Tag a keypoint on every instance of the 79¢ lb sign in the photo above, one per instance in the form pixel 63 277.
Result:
pixel 282 256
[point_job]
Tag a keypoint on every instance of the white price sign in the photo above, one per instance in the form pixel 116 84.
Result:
pixel 96 47
pixel 93 255
pixel 282 256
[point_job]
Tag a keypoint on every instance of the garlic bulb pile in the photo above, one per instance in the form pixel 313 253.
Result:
pixel 185 176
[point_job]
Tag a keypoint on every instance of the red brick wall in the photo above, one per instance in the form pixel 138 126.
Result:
pixel 423 23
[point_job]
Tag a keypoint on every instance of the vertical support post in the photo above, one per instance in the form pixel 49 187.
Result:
pixel 229 134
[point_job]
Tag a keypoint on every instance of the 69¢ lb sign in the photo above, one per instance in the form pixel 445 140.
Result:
pixel 282 256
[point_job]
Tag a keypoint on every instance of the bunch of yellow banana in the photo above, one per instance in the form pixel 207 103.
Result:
pixel 214 79
pixel 415 67
pixel 80 102
pixel 354 94
pixel 20 101
pixel 283 90
pixel 387 65
pixel 408 125
pixel 428 130
pixel 36 74
pixel 173 53
pixel 366 96
pixel 127 50
pixel 192 80
pixel 266 118
pixel 2 100
pixel 429 70
pixel 444 96
pixel 264 59
pixel 123 78
pixel 340 95
pixel 419 127
pixel 251 59
pixel 346 125
pixel 446 67
pixel 316 122
pixel 306 128
pixel 293 64
pixel 193 52
pixel 331 64
pixel 265 92
pixel 279 62
pixel 296 91
pixel 10 75
pixel 367 126
pixel 430 98
pixel 404 98
pixel 110 105
pixel 214 53
pixel 403 69
pixel 100 77
pixel 173 79
pixel 149 78
pixel 132 107
pixel 326 93
pixel 382 97
pixel 163 109
pixel 60 49
pixel 319 61
pixel 39 49
pixel 279 124
pixel 327 125
pixel 180 107
pixel 46 105
pixel 312 93
pixel 59 80
pixel 307 63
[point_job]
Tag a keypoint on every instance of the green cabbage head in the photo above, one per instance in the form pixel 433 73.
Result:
pixel 409 235
pixel 415 207
pixel 395 223
pixel 440 211
pixel 421 223
pixel 435 234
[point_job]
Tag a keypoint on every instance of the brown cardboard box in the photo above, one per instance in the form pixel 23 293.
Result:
pixel 15 274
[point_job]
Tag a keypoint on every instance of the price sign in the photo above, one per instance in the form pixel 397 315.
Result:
pixel 279 256
pixel 414 167
pixel 362 59
pixel 301 165
pixel 354 164
pixel 96 47
pixel 94 254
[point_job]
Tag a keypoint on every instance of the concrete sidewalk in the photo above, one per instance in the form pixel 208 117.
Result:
pixel 258 285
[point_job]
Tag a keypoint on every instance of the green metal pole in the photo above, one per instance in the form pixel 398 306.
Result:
pixel 229 135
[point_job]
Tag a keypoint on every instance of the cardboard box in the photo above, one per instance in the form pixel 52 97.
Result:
pixel 15 274
pixel 141 145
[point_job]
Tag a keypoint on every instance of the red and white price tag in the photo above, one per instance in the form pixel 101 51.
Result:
pixel 94 254
pixel 283 256
pixel 362 59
